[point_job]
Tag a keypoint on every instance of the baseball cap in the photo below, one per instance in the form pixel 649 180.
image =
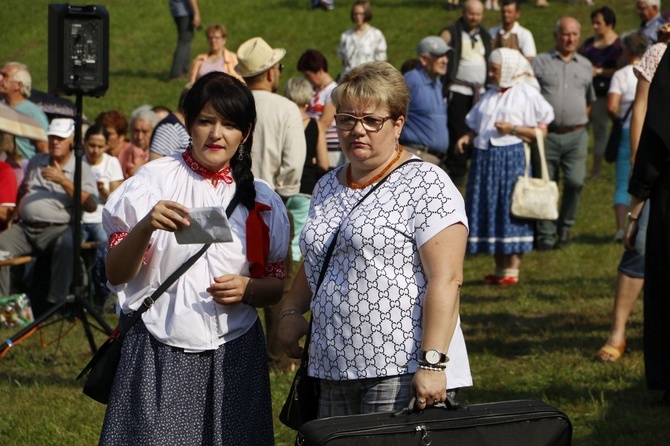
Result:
pixel 63 127
pixel 434 45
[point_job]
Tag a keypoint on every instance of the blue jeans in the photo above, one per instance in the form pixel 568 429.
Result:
pixel 622 169
pixel 632 263
pixel 95 232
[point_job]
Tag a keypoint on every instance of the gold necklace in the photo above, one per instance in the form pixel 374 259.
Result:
pixel 352 184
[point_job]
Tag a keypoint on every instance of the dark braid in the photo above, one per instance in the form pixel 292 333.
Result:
pixel 243 176
pixel 234 101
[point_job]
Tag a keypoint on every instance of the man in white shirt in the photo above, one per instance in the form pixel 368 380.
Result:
pixel 278 153
pixel 510 34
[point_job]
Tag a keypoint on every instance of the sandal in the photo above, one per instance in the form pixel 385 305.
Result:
pixel 611 353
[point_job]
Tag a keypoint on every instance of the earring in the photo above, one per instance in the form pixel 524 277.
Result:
pixel 397 145
pixel 240 155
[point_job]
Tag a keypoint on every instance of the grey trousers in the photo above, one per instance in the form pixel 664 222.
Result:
pixel 181 59
pixel 600 125
pixel 55 241
pixel 565 154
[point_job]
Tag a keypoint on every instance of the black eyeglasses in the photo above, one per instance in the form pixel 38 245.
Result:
pixel 370 123
pixel 280 67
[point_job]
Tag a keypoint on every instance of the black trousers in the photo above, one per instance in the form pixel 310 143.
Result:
pixel 456 164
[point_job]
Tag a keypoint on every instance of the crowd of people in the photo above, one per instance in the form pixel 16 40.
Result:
pixel 354 198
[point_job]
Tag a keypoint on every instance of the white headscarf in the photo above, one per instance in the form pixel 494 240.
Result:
pixel 515 68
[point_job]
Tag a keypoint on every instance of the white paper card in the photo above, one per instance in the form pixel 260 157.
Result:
pixel 208 225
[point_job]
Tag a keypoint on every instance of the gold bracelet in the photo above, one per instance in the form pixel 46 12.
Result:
pixel 289 311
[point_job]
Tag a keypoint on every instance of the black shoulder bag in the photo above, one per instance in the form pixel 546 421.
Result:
pixel 614 139
pixel 302 402
pixel 106 359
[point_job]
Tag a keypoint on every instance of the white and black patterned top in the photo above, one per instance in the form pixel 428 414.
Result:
pixel 368 311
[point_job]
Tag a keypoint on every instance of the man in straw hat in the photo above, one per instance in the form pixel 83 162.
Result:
pixel 44 209
pixel 278 153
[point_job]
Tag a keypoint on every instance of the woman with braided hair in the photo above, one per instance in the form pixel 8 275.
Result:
pixel 193 369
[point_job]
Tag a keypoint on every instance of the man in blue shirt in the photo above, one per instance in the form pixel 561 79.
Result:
pixel 649 12
pixel 425 132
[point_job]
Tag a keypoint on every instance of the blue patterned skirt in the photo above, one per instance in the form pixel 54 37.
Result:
pixel 488 200
pixel 163 396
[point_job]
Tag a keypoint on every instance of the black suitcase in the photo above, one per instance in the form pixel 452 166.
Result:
pixel 505 423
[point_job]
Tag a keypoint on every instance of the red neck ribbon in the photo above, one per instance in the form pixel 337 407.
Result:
pixel 223 174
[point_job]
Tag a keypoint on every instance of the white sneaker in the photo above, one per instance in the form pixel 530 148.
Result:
pixel 487 4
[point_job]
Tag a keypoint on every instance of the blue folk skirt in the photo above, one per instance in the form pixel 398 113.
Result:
pixel 163 396
pixel 488 200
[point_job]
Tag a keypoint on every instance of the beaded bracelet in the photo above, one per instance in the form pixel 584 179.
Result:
pixel 432 368
pixel 289 311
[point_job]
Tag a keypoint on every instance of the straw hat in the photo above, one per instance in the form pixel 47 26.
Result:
pixel 255 56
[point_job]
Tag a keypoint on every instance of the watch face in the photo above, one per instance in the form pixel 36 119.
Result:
pixel 433 356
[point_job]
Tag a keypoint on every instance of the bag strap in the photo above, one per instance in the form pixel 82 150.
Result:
pixel 149 301
pixel 539 137
pixel 331 248
pixel 630 109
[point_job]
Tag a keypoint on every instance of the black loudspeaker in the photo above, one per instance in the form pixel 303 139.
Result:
pixel 78 50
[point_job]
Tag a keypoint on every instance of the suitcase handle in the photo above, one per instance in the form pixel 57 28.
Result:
pixel 450 403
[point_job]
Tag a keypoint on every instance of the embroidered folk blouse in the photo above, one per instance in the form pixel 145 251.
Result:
pixel 186 315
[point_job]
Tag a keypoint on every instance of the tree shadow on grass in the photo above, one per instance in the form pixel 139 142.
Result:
pixel 543 290
pixel 29 378
pixel 594 239
pixel 522 335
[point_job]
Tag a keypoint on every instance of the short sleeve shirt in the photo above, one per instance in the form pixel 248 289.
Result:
pixel 108 171
pixel 8 187
pixel 46 201
pixel 169 137
pixel 367 314
pixel 624 84
pixel 186 316
pixel 25 146
pixel 426 122
pixel 646 67
pixel 518 38
pixel 566 85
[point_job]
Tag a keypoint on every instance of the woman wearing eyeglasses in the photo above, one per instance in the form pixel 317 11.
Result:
pixel 385 316
pixel 219 58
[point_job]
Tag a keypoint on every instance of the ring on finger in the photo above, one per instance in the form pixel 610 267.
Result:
pixel 421 401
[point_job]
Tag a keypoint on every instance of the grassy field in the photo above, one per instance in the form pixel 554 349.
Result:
pixel 535 340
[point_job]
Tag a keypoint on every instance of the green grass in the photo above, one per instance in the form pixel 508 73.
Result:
pixel 535 340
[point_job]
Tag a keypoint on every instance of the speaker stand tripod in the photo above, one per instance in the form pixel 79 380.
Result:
pixel 76 304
